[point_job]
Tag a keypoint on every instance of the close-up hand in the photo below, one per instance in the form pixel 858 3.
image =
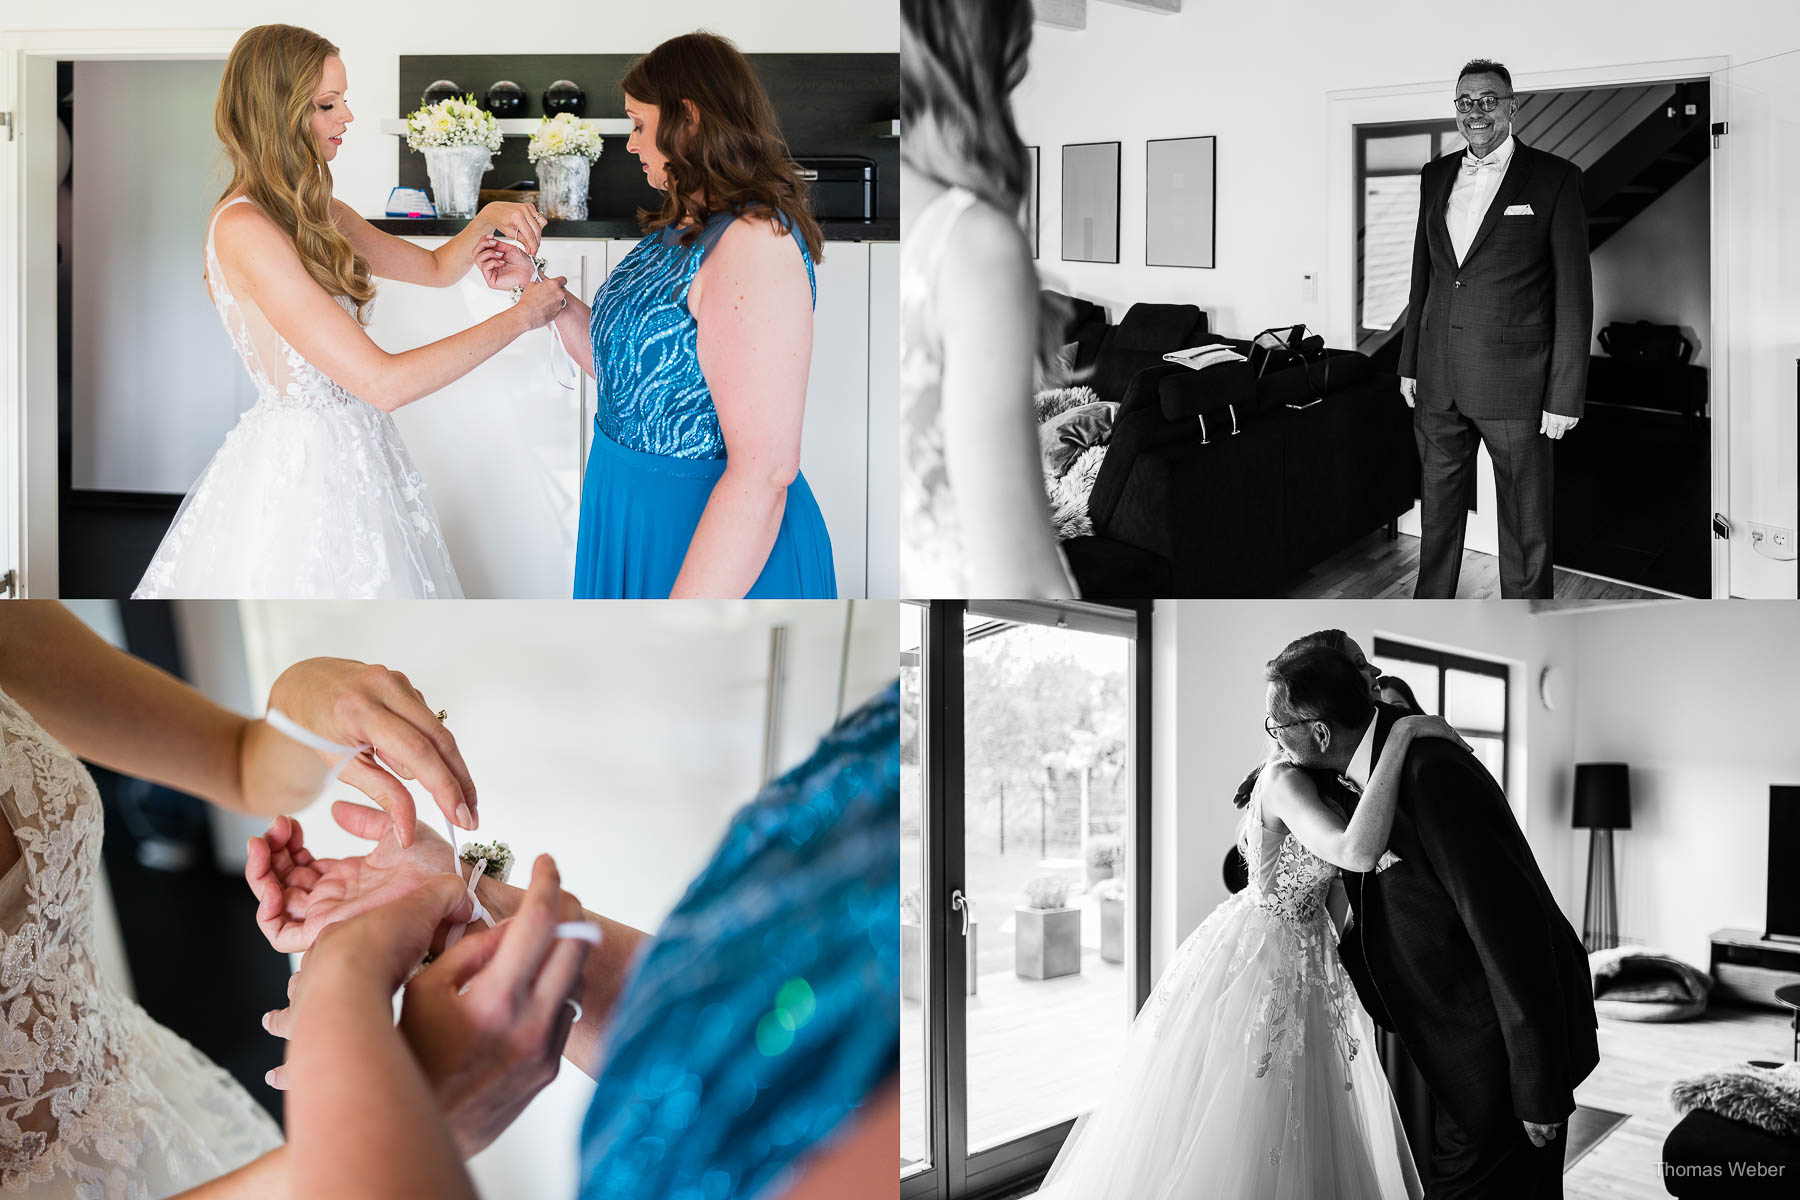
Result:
pixel 1433 727
pixel 1554 425
pixel 521 222
pixel 299 895
pixel 488 1020
pixel 541 301
pixel 353 703
pixel 503 266
pixel 1541 1135
pixel 1409 390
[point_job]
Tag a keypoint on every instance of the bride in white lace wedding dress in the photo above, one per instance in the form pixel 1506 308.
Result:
pixel 1251 1070
pixel 96 1099
pixel 313 494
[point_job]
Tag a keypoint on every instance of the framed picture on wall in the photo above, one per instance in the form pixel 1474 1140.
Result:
pixel 1181 192
pixel 1090 202
pixel 1030 214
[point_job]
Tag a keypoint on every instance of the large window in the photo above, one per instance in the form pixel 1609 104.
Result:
pixel 1388 161
pixel 1024 876
pixel 1470 693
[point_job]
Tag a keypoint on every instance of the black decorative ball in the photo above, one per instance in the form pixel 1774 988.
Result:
pixel 565 96
pixel 505 99
pixel 443 89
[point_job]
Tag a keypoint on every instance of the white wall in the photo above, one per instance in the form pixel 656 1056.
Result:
pixel 1659 267
pixel 1208 677
pixel 619 736
pixel 152 365
pixel 372 38
pixel 1701 700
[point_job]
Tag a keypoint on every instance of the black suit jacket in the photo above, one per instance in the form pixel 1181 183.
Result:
pixel 1506 333
pixel 1461 950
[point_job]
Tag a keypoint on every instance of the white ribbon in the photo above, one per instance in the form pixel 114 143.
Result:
pixel 559 354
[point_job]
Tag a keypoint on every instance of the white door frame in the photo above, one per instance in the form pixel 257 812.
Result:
pixel 28 416
pixel 1347 109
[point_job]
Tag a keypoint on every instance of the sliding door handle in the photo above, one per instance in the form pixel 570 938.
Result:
pixel 960 903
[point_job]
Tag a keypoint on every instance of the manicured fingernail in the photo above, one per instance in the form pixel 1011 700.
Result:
pixel 267 1017
pixel 464 817
pixel 269 1078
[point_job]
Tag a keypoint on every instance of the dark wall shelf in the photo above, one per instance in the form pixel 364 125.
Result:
pixel 624 227
pixel 829 104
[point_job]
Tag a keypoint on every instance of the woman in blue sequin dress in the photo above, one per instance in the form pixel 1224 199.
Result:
pixel 699 343
pixel 748 1051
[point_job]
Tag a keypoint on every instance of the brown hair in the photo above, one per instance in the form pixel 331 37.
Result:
pixel 732 156
pixel 959 63
pixel 263 117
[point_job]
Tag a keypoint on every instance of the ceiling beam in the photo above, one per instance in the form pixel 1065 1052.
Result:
pixel 1061 14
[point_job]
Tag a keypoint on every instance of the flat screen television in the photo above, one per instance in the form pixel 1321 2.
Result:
pixel 1784 863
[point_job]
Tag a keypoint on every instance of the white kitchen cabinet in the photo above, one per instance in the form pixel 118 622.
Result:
pixel 503 449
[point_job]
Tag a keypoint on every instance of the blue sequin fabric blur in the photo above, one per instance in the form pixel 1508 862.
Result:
pixel 767 1009
pixel 650 395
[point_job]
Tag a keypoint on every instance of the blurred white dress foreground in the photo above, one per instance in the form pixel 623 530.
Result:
pixel 96 1099
pixel 1251 1072
pixel 313 494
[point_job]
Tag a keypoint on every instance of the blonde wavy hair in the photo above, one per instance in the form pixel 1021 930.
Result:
pixel 263 118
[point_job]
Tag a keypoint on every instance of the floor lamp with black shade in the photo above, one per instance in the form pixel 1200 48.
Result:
pixel 1602 804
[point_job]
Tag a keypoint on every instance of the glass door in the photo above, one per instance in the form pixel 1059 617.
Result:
pixel 1024 872
pixel 1756 285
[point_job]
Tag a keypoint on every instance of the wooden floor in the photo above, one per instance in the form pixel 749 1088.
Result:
pixel 1638 1063
pixel 1376 568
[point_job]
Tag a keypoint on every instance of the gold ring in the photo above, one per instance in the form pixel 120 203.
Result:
pixel 442 715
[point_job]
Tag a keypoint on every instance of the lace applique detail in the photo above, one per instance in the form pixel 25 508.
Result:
pixel 90 1088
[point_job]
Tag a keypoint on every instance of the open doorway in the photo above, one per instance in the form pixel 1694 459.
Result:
pixel 1634 482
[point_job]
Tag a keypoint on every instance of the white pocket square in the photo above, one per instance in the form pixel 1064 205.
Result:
pixel 1519 210
pixel 1388 859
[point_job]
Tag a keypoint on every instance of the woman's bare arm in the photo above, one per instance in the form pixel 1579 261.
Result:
pixel 754 308
pixel 263 264
pixel 987 304
pixel 393 257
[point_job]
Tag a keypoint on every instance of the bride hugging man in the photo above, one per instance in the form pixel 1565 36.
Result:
pixel 691 1096
pixel 699 343
pixel 1251 1070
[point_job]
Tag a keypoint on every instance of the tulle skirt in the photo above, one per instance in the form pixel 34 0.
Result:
pixel 1251 1074
pixel 639 512
pixel 308 498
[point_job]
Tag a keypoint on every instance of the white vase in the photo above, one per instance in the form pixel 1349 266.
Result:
pixel 563 186
pixel 456 173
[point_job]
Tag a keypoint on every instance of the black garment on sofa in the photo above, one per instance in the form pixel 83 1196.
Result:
pixel 1701 1152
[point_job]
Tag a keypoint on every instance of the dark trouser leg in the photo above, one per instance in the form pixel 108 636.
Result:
pixel 1522 483
pixel 1447 443
pixel 1501 1168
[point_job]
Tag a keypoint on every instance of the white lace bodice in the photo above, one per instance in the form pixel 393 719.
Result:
pixel 1286 878
pixel 931 540
pixel 90 1087
pixel 282 375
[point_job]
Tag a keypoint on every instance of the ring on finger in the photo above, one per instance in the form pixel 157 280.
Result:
pixel 574 1004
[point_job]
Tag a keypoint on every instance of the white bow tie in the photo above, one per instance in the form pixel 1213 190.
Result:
pixel 1479 164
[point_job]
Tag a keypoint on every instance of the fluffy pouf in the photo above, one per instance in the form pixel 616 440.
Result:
pixel 1768 1099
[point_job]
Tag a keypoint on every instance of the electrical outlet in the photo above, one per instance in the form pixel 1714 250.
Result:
pixel 1771 541
pixel 1309 287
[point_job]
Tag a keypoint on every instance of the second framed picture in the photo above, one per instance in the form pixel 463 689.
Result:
pixel 1181 189
pixel 1090 202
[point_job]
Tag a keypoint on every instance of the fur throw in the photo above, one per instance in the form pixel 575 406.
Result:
pixel 1767 1099
pixel 1073 445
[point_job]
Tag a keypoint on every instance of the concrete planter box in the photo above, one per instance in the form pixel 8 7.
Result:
pixel 1112 931
pixel 1047 942
pixel 912 960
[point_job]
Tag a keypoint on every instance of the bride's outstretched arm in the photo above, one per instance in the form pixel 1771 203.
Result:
pixel 1356 845
pixel 393 257
pixel 504 265
pixel 119 711
pixel 263 265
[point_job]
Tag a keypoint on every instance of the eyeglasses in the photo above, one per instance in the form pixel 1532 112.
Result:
pixel 1271 728
pixel 1487 103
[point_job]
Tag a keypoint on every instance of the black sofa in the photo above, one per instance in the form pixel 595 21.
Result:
pixel 1181 512
pixel 1707 1156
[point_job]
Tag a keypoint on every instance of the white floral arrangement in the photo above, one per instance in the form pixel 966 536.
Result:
pixel 565 133
pixel 452 122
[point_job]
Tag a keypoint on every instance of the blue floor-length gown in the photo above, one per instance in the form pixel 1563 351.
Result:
pixel 658 449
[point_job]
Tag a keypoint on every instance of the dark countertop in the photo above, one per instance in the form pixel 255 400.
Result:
pixel 623 227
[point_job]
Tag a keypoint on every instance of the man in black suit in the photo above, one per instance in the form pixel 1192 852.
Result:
pixel 1497 330
pixel 1456 943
